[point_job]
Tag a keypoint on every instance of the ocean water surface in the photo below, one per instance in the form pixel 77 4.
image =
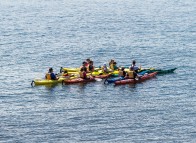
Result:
pixel 36 35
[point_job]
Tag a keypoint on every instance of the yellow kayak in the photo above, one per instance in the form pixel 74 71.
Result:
pixel 71 69
pixel 75 69
pixel 97 71
pixel 47 82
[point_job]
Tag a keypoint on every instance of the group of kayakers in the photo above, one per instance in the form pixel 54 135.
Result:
pixel 132 73
pixel 88 67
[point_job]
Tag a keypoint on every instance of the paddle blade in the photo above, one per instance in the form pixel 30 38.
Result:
pixel 98 79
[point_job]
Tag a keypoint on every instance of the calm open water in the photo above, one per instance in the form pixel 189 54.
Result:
pixel 38 34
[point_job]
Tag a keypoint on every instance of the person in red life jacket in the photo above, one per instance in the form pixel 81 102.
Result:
pixel 65 73
pixel 50 75
pixel 83 73
pixel 87 62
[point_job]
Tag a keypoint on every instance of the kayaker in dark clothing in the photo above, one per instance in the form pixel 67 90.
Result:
pixel 83 66
pixel 90 67
pixel 50 75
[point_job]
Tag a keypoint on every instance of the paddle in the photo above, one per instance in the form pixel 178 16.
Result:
pixel 98 79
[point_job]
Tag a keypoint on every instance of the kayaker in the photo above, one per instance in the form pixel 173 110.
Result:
pixel 87 62
pixel 83 66
pixel 115 66
pixel 90 67
pixel 135 68
pixel 122 72
pixel 111 64
pixel 50 75
pixel 83 74
pixel 65 73
pixel 104 68
pixel 131 74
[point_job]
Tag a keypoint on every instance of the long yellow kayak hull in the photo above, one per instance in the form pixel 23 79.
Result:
pixel 47 82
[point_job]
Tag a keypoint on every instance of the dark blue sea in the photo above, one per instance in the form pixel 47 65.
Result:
pixel 38 34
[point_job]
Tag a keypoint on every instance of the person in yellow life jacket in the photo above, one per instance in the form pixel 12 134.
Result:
pixel 114 66
pixel 50 75
pixel 122 72
pixel 111 64
pixel 131 74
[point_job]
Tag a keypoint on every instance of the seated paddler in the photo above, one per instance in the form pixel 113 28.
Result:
pixel 83 73
pixel 104 69
pixel 135 68
pixel 90 67
pixel 114 66
pixel 83 66
pixel 122 72
pixel 50 75
pixel 131 74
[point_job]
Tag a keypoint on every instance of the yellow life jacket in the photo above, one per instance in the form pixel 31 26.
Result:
pixel 120 73
pixel 112 66
pixel 130 74
pixel 81 74
pixel 104 69
pixel 48 77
